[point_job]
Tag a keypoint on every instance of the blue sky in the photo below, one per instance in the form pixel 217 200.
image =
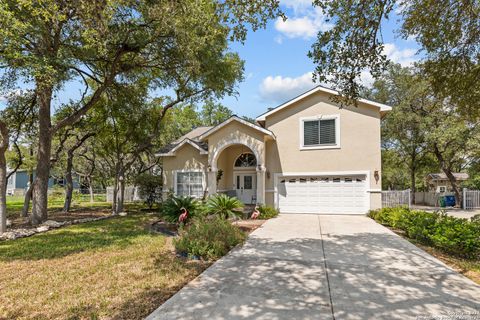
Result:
pixel 276 64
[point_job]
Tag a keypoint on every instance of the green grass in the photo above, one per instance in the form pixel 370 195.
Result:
pixel 119 232
pixel 109 269
pixel 80 202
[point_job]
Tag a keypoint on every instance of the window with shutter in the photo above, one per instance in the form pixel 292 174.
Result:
pixel 311 133
pixel 320 133
pixel 327 132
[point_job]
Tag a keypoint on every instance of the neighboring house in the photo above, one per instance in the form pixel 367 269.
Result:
pixel 306 155
pixel 438 182
pixel 18 183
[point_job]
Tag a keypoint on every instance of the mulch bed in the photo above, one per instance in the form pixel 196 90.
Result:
pixel 249 226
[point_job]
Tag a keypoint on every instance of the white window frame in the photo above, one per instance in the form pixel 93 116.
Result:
pixel 204 180
pixel 336 117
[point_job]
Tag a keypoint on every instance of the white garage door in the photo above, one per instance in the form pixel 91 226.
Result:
pixel 323 194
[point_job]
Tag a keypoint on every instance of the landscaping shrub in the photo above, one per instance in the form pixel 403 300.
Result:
pixel 172 205
pixel 457 236
pixel 208 238
pixel 224 206
pixel 267 212
pixel 475 218
pixel 453 235
pixel 150 188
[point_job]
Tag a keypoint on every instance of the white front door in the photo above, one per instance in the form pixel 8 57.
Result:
pixel 246 186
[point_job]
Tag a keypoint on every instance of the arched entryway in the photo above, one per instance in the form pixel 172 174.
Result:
pixel 236 168
pixel 238 172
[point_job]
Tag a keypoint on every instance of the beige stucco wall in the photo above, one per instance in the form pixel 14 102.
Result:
pixel 187 157
pixel 359 141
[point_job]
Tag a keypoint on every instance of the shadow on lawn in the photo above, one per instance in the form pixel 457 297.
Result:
pixel 120 231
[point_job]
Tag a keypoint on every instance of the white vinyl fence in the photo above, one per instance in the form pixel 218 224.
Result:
pixel 471 199
pixel 396 198
pixel 131 194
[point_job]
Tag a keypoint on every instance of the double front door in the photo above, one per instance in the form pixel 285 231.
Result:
pixel 246 187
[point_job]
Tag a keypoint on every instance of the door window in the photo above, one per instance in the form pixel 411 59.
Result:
pixel 247 182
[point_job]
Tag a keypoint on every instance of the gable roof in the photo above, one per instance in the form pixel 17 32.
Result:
pixel 190 138
pixel 194 133
pixel 443 176
pixel 237 119
pixel 381 106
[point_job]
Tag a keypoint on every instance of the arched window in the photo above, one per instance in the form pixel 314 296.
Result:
pixel 246 160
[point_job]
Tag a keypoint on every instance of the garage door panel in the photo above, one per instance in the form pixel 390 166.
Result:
pixel 323 194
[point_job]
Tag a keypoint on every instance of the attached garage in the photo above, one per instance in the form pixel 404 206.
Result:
pixel 338 194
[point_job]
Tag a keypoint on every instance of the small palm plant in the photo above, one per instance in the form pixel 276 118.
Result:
pixel 172 208
pixel 224 206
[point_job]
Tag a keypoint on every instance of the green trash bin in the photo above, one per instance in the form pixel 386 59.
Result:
pixel 442 201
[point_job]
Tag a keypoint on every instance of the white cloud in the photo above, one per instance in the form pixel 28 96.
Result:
pixel 278 39
pixel 366 79
pixel 279 88
pixel 298 6
pixel 305 22
pixel 405 57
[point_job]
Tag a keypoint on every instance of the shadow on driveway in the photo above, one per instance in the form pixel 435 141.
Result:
pixel 280 273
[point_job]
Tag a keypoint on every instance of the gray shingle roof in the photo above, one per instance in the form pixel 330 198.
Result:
pixel 192 136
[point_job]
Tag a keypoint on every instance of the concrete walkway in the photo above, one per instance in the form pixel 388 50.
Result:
pixel 325 267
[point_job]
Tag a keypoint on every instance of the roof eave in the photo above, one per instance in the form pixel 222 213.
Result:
pixel 172 152
pixel 383 107
pixel 235 118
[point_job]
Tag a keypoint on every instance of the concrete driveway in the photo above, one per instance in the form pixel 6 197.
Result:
pixel 325 267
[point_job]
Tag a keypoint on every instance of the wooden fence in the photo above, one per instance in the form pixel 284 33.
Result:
pixel 431 199
pixel 396 198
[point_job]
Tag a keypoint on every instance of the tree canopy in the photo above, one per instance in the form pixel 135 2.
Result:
pixel 448 33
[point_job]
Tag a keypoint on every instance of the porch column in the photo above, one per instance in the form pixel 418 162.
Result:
pixel 212 182
pixel 261 184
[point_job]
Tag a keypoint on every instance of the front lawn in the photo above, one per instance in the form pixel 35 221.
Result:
pixel 114 268
pixel 55 204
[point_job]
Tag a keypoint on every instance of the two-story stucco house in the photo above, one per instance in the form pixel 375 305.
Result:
pixel 306 155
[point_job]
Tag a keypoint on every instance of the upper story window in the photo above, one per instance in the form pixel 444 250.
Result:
pixel 320 133
pixel 246 160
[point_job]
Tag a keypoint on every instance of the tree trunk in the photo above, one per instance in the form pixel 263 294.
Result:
pixel 28 196
pixel 121 193
pixel 3 176
pixel 40 187
pixel 3 192
pixel 448 172
pixel 90 189
pixel 69 183
pixel 114 196
pixel 412 185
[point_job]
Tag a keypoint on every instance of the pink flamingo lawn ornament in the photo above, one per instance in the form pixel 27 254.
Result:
pixel 183 216
pixel 255 213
